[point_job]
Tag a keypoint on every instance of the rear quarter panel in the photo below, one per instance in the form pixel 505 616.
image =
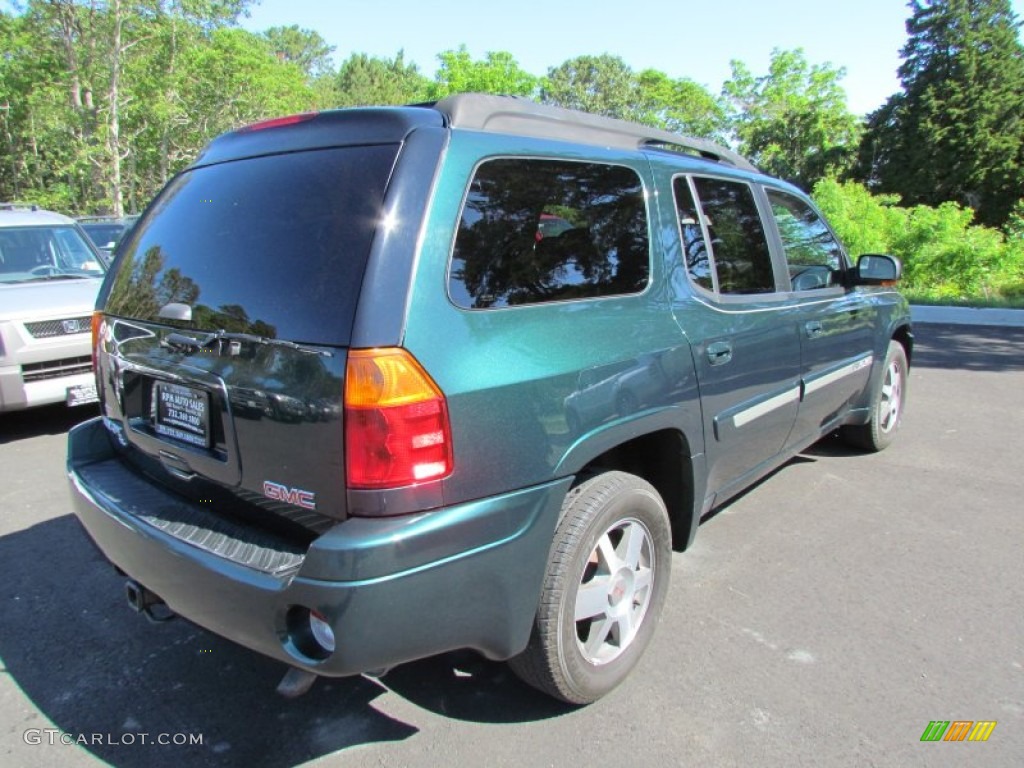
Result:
pixel 508 373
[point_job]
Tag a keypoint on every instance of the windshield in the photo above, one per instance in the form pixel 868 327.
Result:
pixel 46 253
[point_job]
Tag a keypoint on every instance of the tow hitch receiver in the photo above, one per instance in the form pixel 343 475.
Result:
pixel 141 600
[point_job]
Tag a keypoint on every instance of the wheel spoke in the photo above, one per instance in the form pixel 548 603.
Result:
pixel 641 581
pixel 592 598
pixel 625 628
pixel 633 544
pixel 598 636
pixel 608 558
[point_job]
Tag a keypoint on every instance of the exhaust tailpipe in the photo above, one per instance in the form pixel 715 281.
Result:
pixel 141 600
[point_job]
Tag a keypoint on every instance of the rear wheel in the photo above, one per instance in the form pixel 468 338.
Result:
pixel 603 591
pixel 887 406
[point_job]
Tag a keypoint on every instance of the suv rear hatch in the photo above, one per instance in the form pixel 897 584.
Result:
pixel 225 324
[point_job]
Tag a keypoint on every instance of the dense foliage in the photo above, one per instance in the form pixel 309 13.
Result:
pixel 101 101
pixel 944 255
pixel 956 130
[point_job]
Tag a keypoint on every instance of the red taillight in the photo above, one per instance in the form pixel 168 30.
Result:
pixel 97 325
pixel 278 122
pixel 397 430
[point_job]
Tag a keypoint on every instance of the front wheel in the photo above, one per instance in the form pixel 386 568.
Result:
pixel 887 406
pixel 606 580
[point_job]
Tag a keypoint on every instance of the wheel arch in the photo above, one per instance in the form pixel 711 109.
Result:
pixel 664 458
pixel 905 336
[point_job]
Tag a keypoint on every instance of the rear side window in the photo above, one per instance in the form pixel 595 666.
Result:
pixel 273 245
pixel 695 248
pixel 739 247
pixel 723 237
pixel 536 230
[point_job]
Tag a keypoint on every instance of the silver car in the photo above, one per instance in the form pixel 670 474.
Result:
pixel 50 274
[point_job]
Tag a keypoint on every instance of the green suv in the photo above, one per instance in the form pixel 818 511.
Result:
pixel 377 384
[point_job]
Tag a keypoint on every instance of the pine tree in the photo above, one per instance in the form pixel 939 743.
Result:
pixel 956 131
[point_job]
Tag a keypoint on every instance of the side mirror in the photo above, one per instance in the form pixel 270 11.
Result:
pixel 877 269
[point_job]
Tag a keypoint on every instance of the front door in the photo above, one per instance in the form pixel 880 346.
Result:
pixel 835 324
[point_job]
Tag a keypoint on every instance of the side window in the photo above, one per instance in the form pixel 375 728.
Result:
pixel 549 230
pixel 813 255
pixel 739 249
pixel 695 249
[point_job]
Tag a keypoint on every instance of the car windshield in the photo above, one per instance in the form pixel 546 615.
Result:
pixel 46 253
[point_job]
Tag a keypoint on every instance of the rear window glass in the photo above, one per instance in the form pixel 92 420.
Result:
pixel 537 230
pixel 272 245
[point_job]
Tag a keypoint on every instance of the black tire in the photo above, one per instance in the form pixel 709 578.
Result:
pixel 614 542
pixel 886 407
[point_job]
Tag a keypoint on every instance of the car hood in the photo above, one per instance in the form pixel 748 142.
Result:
pixel 47 299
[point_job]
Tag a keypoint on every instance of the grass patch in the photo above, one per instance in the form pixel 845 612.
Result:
pixel 940 298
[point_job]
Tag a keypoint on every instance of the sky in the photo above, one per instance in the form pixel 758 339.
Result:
pixel 682 38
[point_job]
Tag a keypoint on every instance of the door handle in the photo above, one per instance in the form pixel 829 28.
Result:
pixel 720 352
pixel 813 329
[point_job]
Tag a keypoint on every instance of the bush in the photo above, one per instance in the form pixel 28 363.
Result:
pixel 944 255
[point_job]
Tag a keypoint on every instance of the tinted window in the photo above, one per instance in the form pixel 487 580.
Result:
pixel 738 246
pixel 813 255
pixel 272 245
pixel 545 230
pixel 695 249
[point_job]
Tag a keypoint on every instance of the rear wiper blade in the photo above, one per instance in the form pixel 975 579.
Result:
pixel 181 342
pixel 254 339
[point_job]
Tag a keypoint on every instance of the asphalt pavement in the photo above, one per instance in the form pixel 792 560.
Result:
pixel 824 618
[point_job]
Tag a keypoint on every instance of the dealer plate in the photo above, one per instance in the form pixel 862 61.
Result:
pixel 182 413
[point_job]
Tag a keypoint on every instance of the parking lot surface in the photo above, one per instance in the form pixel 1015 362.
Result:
pixel 824 618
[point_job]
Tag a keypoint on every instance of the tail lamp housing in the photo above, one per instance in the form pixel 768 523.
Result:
pixel 397 430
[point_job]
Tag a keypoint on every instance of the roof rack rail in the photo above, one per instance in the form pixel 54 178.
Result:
pixel 18 207
pixel 518 115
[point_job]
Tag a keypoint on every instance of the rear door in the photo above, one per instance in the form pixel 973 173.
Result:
pixel 739 323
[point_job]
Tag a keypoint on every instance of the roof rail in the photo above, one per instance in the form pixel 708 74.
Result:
pixel 18 207
pixel 518 115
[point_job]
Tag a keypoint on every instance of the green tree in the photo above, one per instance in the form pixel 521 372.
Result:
pixel 235 79
pixel 944 255
pixel 101 100
pixel 1014 227
pixel 497 73
pixel 603 85
pixel 863 222
pixel 682 106
pixel 955 132
pixel 303 47
pixel 365 80
pixel 793 122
